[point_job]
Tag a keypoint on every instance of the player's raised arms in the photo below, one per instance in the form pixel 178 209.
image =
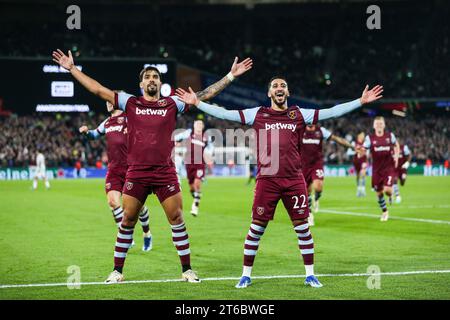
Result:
pixel 236 70
pixel 367 96
pixel 90 84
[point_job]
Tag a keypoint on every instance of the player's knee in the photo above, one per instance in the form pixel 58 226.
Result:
pixel 388 191
pixel 113 203
pixel 129 220
pixel 176 217
pixel 260 222
pixel 299 221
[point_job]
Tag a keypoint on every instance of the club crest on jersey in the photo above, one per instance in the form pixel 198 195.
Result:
pixel 260 210
pixel 108 186
pixel 129 185
pixel 120 120
pixel 292 114
pixel 162 103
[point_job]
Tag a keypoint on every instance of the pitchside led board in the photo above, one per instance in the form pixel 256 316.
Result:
pixel 40 85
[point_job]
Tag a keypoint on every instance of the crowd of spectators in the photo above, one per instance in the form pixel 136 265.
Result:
pixel 58 138
pixel 325 49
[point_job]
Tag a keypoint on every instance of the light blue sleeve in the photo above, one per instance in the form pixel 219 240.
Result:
pixel 307 114
pixel 122 99
pixel 246 116
pixel 393 138
pixel 339 110
pixel 183 135
pixel 350 151
pixel 326 133
pixel 250 115
pixel 406 150
pixel 367 143
pixel 180 104
pixel 94 134
pixel 334 112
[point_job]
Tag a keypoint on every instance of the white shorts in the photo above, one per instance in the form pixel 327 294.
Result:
pixel 40 173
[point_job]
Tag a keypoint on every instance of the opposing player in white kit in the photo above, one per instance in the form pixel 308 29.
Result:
pixel 41 171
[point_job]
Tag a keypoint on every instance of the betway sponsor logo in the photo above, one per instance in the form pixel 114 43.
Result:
pixel 311 141
pixel 383 148
pixel 151 112
pixel 278 126
pixel 113 128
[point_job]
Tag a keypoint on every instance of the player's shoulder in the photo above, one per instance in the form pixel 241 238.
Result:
pixel 125 96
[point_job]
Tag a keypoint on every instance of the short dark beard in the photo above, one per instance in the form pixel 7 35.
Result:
pixel 152 93
pixel 279 104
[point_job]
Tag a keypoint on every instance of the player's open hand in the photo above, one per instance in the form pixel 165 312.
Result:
pixel 64 61
pixel 371 95
pixel 360 150
pixel 239 68
pixel 83 129
pixel 187 97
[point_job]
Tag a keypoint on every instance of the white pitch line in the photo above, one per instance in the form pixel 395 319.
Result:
pixel 403 207
pixel 8 286
pixel 371 215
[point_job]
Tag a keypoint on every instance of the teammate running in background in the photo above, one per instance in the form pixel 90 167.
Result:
pixel 178 159
pixel 381 144
pixel 115 130
pixel 151 121
pixel 312 162
pixel 41 171
pixel 404 160
pixel 360 164
pixel 251 158
pixel 279 131
pixel 199 149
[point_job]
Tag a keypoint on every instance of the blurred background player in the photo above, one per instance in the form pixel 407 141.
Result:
pixel 360 164
pixel 312 162
pixel 41 171
pixel 178 159
pixel 281 177
pixel 404 160
pixel 251 158
pixel 381 144
pixel 198 153
pixel 115 130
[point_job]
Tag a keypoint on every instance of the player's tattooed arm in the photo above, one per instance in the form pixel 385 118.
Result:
pixel 213 90
pixel 90 84
pixel 218 112
pixel 236 70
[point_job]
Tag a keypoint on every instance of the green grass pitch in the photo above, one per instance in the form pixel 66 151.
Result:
pixel 45 232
